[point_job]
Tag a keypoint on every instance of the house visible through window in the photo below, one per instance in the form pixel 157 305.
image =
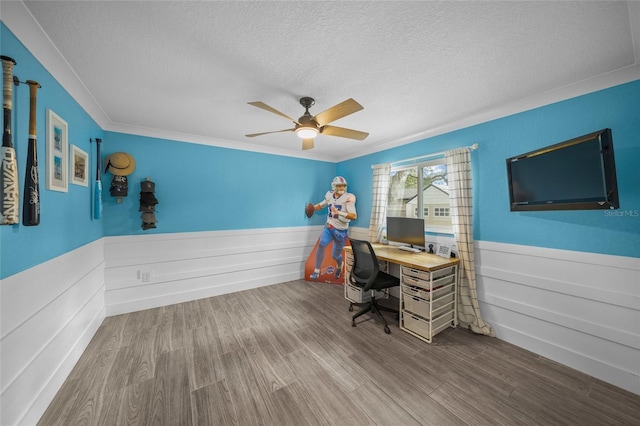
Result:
pixel 421 188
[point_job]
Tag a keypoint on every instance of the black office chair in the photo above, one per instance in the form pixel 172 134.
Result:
pixel 366 274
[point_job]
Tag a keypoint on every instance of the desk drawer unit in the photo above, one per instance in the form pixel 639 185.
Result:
pixel 417 274
pixel 428 301
pixel 423 293
pixel 348 262
pixel 426 307
pixel 436 284
pixel 355 294
pixel 422 327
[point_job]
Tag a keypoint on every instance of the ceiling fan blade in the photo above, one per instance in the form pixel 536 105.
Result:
pixel 307 143
pixel 338 111
pixel 266 107
pixel 344 133
pixel 266 133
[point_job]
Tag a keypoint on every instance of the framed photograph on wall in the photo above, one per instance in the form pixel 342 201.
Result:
pixel 79 171
pixel 57 153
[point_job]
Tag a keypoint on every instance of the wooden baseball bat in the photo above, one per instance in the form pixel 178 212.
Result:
pixel 31 198
pixel 97 190
pixel 9 192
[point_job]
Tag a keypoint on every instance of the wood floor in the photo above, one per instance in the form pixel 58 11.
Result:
pixel 287 355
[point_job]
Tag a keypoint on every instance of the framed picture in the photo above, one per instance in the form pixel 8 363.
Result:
pixel 444 250
pixel 79 171
pixel 57 153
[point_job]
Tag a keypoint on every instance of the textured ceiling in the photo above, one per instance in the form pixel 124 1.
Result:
pixel 186 69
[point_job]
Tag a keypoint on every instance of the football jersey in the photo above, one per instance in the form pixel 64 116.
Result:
pixel 345 203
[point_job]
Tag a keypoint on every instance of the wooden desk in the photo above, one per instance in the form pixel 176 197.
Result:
pixel 425 261
pixel 428 290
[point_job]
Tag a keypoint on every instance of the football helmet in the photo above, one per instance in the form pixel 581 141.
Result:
pixel 339 180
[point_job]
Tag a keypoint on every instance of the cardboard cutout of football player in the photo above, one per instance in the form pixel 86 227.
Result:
pixel 341 210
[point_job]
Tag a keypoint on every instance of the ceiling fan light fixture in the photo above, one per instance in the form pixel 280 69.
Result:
pixel 307 127
pixel 306 132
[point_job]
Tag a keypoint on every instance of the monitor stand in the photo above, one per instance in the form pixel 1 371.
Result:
pixel 410 249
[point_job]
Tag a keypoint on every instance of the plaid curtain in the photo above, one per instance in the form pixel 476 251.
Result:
pixel 379 205
pixel 461 200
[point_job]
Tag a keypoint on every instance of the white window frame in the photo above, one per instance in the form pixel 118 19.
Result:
pixel 419 166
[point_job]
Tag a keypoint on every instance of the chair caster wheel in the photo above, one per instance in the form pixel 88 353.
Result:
pixel 350 308
pixel 353 323
pixel 387 329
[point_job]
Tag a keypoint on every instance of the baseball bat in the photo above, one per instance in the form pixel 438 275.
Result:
pixel 31 198
pixel 9 192
pixel 97 190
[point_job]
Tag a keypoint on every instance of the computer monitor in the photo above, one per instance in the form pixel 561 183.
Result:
pixel 406 230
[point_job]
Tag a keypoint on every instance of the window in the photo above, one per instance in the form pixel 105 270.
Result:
pixel 425 212
pixel 441 211
pixel 421 188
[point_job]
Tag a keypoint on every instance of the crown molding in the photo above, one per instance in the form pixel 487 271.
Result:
pixel 25 27
pixel 605 81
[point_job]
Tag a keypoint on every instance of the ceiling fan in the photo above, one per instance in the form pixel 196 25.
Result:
pixel 308 127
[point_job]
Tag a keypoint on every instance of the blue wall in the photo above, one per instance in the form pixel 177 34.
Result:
pixel 66 222
pixel 202 188
pixel 614 232
pixel 205 188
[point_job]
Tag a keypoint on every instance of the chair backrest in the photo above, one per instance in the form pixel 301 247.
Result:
pixel 365 264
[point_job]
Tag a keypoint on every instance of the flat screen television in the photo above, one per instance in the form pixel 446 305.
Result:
pixel 406 230
pixel 578 174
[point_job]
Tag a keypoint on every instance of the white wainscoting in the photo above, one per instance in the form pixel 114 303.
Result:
pixel 579 309
pixel 359 233
pixel 49 314
pixel 148 271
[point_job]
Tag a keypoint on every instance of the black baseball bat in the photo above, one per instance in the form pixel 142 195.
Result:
pixel 97 190
pixel 31 198
pixel 9 192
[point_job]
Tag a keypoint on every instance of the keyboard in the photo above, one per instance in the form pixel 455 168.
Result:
pixel 410 249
